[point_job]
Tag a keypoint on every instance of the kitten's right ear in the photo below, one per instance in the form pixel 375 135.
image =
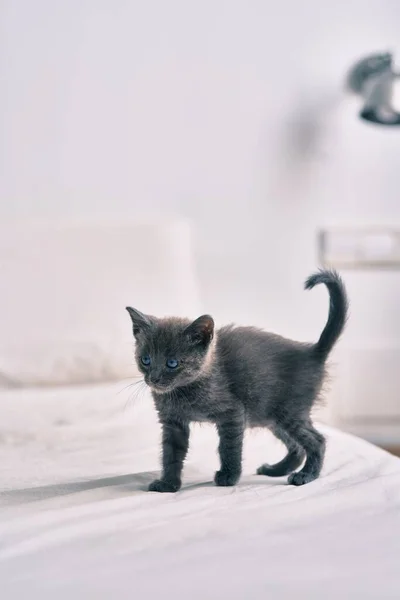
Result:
pixel 139 320
pixel 201 331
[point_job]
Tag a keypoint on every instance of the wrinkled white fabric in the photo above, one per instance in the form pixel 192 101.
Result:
pixel 75 521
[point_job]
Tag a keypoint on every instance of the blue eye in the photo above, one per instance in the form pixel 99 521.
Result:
pixel 146 360
pixel 172 363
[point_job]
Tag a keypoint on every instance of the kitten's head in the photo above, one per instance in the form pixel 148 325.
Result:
pixel 171 352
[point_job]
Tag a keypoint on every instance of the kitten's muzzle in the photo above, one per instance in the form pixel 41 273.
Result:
pixel 155 382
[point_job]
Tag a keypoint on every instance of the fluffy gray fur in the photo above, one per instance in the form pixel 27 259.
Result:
pixel 237 377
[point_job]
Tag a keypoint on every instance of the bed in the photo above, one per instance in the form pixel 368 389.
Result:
pixel 77 452
pixel 76 521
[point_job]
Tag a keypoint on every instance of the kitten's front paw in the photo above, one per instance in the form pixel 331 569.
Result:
pixel 224 478
pixel 300 478
pixel 159 485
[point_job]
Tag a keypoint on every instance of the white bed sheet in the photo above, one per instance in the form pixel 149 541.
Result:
pixel 75 521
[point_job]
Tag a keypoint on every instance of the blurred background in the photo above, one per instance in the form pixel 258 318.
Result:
pixel 214 139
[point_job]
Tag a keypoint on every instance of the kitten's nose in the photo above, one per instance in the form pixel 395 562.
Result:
pixel 155 379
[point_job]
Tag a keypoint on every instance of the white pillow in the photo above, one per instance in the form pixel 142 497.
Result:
pixel 64 292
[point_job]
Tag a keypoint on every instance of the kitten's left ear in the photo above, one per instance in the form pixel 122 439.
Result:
pixel 139 320
pixel 201 331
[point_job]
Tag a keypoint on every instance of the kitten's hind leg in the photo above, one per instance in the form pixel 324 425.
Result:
pixel 290 462
pixel 313 443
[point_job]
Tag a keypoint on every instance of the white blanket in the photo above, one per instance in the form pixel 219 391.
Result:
pixel 75 521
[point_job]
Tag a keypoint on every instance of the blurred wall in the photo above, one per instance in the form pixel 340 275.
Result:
pixel 230 112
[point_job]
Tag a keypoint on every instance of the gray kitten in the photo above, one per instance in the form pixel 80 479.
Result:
pixel 237 377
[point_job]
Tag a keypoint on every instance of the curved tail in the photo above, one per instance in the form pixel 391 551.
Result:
pixel 338 310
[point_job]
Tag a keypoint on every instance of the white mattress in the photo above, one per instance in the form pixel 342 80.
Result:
pixel 76 523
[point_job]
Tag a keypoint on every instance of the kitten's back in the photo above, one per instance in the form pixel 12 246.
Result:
pixel 250 347
pixel 258 364
pixel 265 370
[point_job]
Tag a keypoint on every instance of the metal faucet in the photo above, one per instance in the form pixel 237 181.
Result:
pixel 372 78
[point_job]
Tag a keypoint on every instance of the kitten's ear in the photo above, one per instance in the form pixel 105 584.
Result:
pixel 139 320
pixel 201 331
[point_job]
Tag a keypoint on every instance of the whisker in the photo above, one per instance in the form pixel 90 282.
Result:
pixel 141 387
pixel 130 385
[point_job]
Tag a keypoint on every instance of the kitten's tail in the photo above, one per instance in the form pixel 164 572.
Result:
pixel 338 310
